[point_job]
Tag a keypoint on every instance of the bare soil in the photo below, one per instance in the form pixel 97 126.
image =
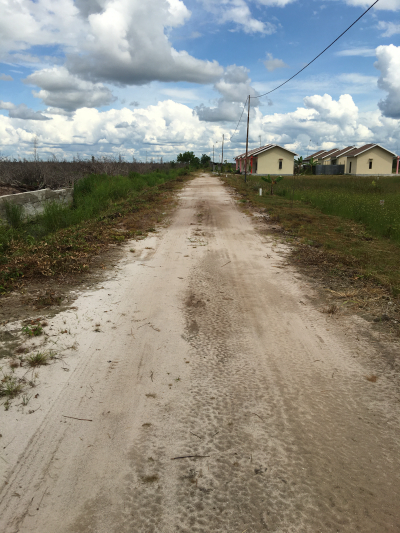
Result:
pixel 201 389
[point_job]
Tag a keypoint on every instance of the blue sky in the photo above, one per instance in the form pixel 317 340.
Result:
pixel 109 77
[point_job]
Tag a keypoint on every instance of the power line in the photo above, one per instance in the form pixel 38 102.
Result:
pixel 244 107
pixel 319 55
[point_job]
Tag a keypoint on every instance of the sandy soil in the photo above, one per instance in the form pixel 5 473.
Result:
pixel 214 396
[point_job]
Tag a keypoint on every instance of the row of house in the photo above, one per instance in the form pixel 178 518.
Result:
pixel 368 159
pixel 274 159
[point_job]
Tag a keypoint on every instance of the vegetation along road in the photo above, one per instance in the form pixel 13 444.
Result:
pixel 206 392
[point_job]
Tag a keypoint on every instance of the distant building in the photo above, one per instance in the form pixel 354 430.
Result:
pixel 368 159
pixel 268 159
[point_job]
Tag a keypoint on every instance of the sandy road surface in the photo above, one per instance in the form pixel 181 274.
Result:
pixel 207 348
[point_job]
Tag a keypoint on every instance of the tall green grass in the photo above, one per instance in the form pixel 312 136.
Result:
pixel 93 195
pixel 353 198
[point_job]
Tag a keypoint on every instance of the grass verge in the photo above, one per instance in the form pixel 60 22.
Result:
pixel 106 210
pixel 333 248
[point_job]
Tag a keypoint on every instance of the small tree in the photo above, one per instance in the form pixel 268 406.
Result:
pixel 272 181
pixel 298 165
pixel 205 160
pixel 188 158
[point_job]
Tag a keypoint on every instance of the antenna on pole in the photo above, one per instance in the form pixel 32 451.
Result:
pixel 247 142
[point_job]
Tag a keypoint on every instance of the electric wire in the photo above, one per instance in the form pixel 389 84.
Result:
pixel 319 55
pixel 244 107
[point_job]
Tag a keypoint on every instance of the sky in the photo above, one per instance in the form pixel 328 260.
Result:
pixel 148 79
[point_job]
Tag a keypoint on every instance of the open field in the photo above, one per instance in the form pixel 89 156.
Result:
pixel 63 239
pixel 350 257
pixel 354 198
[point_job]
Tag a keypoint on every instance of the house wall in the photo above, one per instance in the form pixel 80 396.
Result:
pixel 382 162
pixel 268 162
pixel 353 161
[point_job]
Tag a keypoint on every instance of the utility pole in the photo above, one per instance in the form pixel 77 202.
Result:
pixel 247 142
pixel 213 158
pixel 260 140
pixel 222 157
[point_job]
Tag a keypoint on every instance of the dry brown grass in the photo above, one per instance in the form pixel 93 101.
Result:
pixel 20 176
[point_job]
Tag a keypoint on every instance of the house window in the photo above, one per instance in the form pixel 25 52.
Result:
pixel 350 167
pixel 370 164
pixel 280 164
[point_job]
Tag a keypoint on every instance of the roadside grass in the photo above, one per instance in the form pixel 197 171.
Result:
pixel 371 201
pixel 360 251
pixel 63 239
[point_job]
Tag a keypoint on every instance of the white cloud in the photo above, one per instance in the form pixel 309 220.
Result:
pixel 390 28
pixel 126 44
pixel 6 105
pixel 22 112
pixel 234 87
pixel 62 90
pixel 343 112
pixel 363 52
pixel 272 63
pixel 6 77
pixel 238 11
pixel 118 41
pixel 326 121
pixel 389 65
pixel 390 5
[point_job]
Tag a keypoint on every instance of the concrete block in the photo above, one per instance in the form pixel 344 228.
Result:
pixel 33 202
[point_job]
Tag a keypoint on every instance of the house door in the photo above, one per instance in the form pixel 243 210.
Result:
pixel 255 166
pixel 350 167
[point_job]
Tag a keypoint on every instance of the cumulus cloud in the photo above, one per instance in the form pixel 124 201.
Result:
pixel 6 105
pixel 388 64
pixel 326 121
pixel 272 63
pixel 6 77
pixel 60 89
pixel 118 41
pixel 343 111
pixel 234 87
pixel 22 111
pixel 238 12
pixel 127 44
pixel 390 28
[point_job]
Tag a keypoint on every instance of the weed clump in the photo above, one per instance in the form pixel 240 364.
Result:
pixel 38 359
pixel 10 386
pixel 33 330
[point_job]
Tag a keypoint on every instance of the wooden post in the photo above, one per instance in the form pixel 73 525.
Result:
pixel 247 142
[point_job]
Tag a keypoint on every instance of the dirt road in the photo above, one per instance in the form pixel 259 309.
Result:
pixel 214 397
